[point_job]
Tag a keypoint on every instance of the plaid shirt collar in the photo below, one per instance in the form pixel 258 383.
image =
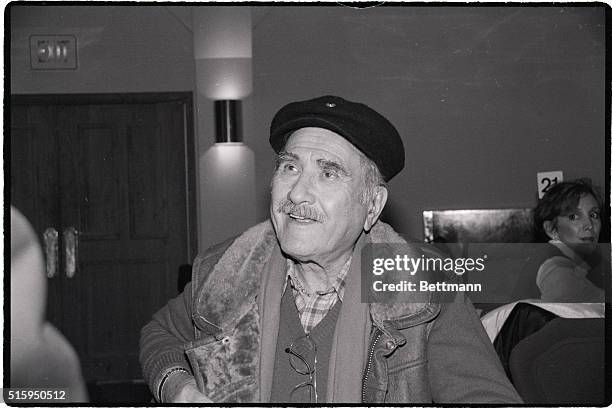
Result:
pixel 296 284
pixel 312 308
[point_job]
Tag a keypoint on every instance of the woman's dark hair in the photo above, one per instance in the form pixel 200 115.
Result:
pixel 560 199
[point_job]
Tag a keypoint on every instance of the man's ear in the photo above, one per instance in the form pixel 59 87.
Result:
pixel 550 228
pixel 375 206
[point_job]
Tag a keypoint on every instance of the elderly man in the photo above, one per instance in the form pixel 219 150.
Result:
pixel 275 315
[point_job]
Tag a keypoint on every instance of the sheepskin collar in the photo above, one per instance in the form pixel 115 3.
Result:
pixel 236 278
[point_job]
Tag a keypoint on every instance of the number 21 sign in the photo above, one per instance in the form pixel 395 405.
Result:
pixel 546 180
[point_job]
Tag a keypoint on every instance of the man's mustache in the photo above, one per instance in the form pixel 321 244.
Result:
pixel 286 206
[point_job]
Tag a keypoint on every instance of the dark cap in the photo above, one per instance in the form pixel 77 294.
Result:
pixel 366 129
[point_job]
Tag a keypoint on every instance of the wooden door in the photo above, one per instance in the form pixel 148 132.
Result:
pixel 123 182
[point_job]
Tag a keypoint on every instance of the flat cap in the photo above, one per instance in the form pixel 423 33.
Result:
pixel 366 129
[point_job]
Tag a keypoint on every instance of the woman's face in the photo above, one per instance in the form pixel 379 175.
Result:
pixel 579 227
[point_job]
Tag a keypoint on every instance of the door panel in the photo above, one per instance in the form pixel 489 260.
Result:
pixel 121 171
pixel 147 187
pixel 97 174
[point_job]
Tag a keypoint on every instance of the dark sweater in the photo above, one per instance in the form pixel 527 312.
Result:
pixel 285 378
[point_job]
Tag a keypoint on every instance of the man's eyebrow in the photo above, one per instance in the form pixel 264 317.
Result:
pixel 330 164
pixel 284 156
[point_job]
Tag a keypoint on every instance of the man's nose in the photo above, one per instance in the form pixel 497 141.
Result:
pixel 302 190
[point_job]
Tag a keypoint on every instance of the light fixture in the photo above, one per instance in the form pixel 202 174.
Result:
pixel 228 126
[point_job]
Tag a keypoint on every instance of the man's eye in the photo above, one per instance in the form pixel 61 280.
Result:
pixel 573 217
pixel 330 174
pixel 290 167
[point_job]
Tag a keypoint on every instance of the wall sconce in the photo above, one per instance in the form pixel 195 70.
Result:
pixel 228 126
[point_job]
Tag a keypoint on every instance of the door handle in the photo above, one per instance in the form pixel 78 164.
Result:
pixel 71 251
pixel 50 237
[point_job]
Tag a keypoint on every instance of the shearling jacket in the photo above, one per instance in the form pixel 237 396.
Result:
pixel 418 352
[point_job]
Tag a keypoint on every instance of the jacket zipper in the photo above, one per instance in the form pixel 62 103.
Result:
pixel 369 365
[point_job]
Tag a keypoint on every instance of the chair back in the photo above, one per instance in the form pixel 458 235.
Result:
pixel 562 363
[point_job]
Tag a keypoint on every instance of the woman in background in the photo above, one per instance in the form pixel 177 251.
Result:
pixel 569 215
pixel 563 278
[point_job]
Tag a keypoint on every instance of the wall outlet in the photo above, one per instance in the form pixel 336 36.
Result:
pixel 53 52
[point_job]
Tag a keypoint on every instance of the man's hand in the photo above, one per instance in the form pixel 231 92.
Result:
pixel 190 393
pixel 181 388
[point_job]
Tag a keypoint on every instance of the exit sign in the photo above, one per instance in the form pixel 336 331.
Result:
pixel 53 52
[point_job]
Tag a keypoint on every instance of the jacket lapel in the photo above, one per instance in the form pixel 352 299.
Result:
pixel 226 359
pixel 269 302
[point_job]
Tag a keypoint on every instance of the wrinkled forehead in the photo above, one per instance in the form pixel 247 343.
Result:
pixel 324 142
